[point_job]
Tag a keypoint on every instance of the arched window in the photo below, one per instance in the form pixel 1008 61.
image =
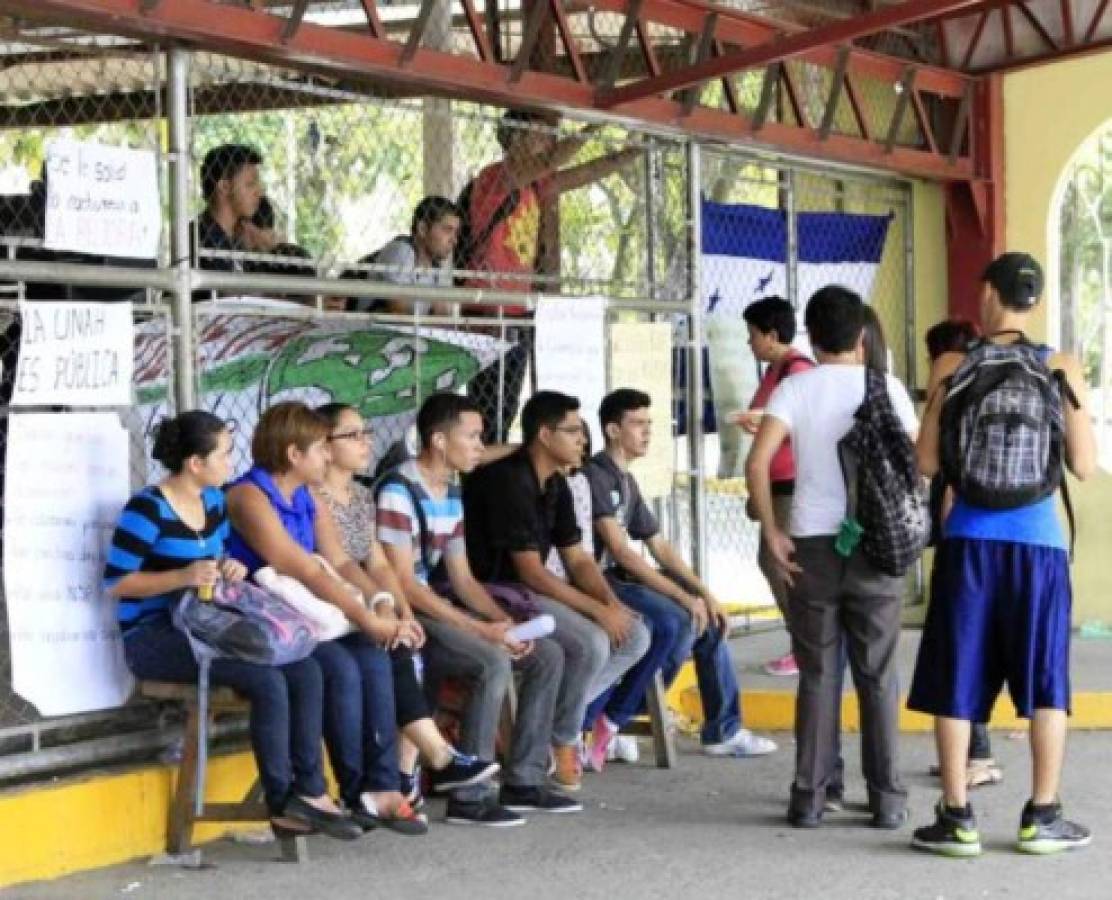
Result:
pixel 1085 275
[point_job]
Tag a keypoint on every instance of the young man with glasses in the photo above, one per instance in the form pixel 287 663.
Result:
pixel 517 510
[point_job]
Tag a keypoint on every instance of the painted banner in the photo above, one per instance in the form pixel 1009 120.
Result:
pixel 58 518
pixel 74 354
pixel 102 200
pixel 571 353
pixel 247 363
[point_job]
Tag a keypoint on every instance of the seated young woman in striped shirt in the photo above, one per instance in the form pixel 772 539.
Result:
pixel 170 539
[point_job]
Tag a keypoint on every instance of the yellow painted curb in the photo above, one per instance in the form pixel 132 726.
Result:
pixel 101 820
pixel 775 710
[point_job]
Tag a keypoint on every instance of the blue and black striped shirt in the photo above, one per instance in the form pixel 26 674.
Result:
pixel 150 537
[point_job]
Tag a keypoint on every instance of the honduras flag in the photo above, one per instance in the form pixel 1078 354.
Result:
pixel 745 254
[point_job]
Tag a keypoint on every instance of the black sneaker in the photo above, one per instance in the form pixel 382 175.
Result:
pixel 463 771
pixel 1042 831
pixel 952 834
pixel 542 799
pixel 481 812
pixel 835 800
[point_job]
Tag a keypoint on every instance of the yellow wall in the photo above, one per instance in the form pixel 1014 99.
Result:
pixel 1049 111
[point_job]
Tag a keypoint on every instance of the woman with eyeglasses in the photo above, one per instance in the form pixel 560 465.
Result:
pixel 277 523
pixel 168 541
pixel 353 510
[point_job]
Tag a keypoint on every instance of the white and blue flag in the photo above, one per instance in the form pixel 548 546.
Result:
pixel 745 254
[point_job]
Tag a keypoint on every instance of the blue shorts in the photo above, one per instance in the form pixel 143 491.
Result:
pixel 999 612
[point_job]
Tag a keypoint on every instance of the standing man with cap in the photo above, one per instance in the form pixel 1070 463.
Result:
pixel 1001 596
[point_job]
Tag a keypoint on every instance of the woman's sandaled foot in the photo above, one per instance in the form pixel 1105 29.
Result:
pixel 390 811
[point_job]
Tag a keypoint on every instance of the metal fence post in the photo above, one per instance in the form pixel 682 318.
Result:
pixel 695 367
pixel 792 231
pixel 177 111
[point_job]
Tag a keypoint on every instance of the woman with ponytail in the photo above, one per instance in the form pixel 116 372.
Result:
pixel 169 540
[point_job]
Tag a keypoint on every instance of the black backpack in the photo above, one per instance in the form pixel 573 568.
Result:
pixel 387 472
pixel 885 501
pixel 1002 426
pixel 469 244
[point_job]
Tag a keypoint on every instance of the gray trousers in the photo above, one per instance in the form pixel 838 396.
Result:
pixel 835 599
pixel 781 510
pixel 486 670
pixel 590 665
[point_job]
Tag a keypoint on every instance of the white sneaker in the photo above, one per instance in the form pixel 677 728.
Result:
pixel 623 748
pixel 744 743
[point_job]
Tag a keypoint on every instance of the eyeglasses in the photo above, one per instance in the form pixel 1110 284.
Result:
pixel 365 435
pixel 568 429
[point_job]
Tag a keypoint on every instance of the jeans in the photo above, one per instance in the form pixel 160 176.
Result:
pixel 285 717
pixel 486 670
pixel 673 639
pixel 360 725
pixel 590 665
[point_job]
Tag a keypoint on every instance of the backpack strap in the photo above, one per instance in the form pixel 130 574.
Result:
pixel 504 211
pixel 396 477
pixel 793 365
pixel 1067 393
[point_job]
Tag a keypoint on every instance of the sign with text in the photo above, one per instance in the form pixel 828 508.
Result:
pixel 74 354
pixel 571 353
pixel 59 514
pixel 641 357
pixel 102 200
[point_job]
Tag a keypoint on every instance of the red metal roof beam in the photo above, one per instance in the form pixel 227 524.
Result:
pixel 779 49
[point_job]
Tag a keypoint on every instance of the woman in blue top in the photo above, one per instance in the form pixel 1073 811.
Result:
pixel 1000 599
pixel 169 539
pixel 276 523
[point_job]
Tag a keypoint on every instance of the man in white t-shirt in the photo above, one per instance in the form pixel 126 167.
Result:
pixel 832 599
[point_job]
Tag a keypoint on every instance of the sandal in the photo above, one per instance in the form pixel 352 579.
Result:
pixel 982 772
pixel 403 819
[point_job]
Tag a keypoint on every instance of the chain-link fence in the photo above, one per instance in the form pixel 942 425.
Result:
pixel 376 312
pixel 772 228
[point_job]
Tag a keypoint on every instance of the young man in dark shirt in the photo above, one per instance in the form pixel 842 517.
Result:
pixel 517 510
pixel 683 615
pixel 232 190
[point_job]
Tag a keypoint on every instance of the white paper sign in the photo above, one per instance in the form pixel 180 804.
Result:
pixel 641 357
pixel 571 353
pixel 74 354
pixel 102 200
pixel 67 479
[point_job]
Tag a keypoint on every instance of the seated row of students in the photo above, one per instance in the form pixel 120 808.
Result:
pixel 447 572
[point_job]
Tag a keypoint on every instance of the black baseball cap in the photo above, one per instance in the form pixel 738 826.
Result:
pixel 1017 277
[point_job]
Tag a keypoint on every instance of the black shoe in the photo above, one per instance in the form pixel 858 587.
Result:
pixel 463 771
pixel 800 819
pixel 481 812
pixel 889 820
pixel 521 798
pixel 335 825
pixel 954 833
pixel 1043 831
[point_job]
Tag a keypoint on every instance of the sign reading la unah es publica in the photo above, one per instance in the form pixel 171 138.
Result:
pixel 76 354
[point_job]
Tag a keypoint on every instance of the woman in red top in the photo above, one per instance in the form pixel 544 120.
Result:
pixel 771 323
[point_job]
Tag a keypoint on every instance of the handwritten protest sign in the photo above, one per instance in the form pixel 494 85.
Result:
pixel 102 200
pixel 641 357
pixel 571 353
pixel 67 481
pixel 76 354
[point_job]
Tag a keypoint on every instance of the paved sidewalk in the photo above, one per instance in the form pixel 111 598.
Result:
pixel 709 829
